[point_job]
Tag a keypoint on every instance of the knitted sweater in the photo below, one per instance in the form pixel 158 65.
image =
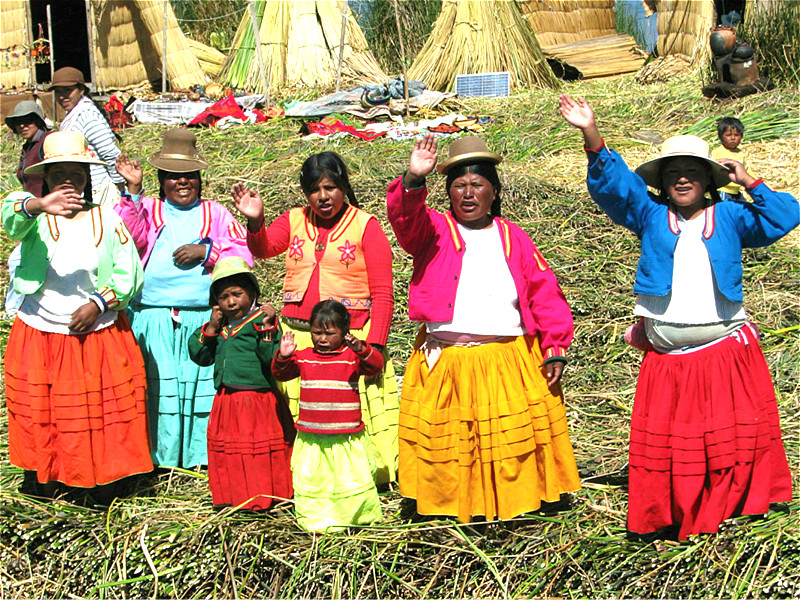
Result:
pixel 329 400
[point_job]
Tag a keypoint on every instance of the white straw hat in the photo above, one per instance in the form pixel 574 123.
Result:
pixel 683 145
pixel 65 146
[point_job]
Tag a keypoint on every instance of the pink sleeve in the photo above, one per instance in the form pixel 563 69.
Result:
pixel 229 237
pixel 378 257
pixel 270 241
pixel 137 216
pixel 410 217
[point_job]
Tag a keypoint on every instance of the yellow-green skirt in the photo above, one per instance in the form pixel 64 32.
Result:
pixel 481 434
pixel 333 480
pixel 380 406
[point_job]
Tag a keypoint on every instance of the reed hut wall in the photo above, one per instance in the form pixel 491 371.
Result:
pixel 684 27
pixel 15 43
pixel 558 22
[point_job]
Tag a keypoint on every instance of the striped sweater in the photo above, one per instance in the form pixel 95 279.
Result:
pixel 93 125
pixel 329 400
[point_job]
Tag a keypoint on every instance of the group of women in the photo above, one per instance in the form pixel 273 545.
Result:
pixel 480 427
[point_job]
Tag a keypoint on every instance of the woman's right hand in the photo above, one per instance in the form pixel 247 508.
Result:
pixel 422 161
pixel 249 203
pixel 65 202
pixel 131 172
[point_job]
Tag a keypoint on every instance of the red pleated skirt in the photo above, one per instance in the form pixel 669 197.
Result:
pixel 76 404
pixel 705 438
pixel 250 437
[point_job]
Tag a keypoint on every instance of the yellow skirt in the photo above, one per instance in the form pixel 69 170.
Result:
pixel 481 434
pixel 380 406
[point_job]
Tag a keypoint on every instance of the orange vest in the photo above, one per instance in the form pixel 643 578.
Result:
pixel 342 268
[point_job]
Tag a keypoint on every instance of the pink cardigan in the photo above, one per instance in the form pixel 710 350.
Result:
pixel 432 238
pixel 145 221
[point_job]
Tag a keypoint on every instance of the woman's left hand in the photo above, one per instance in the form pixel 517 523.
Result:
pixel 84 317
pixel 554 370
pixel 737 173
pixel 189 255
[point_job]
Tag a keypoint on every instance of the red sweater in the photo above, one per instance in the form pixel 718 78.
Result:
pixel 329 401
pixel 274 240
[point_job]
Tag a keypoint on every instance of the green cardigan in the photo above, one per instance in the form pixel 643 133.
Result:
pixel 119 271
pixel 241 354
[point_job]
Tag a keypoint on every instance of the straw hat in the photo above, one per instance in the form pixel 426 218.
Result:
pixel 67 76
pixel 228 267
pixel 24 109
pixel 683 145
pixel 468 149
pixel 178 153
pixel 65 146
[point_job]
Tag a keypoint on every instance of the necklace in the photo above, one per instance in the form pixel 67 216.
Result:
pixel 319 247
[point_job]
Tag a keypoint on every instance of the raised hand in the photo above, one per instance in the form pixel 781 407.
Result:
pixel 64 202
pixel 287 347
pixel 84 318
pixel 215 321
pixel 189 255
pixel 249 203
pixel 352 342
pixel 578 113
pixel 131 172
pixel 423 159
pixel 737 173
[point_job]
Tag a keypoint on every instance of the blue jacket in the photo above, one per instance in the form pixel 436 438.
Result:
pixel 730 225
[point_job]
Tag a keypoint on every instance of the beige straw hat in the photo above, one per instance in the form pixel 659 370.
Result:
pixel 682 145
pixel 468 149
pixel 65 146
pixel 178 153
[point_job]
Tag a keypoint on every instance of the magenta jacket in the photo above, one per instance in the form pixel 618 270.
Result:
pixel 224 235
pixel 432 238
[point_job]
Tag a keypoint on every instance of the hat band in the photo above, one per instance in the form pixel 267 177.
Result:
pixel 81 154
pixel 179 156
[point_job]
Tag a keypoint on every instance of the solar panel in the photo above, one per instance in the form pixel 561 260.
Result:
pixel 483 84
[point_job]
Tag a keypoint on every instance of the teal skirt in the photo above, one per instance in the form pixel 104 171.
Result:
pixel 179 392
pixel 333 479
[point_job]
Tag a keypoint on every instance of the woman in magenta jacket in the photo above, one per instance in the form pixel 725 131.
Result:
pixel 483 427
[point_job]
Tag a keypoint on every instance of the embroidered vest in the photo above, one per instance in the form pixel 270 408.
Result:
pixel 342 268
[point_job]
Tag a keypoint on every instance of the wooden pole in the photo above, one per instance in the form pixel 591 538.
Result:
pixel 29 42
pixel 341 45
pixel 52 55
pixel 257 42
pixel 164 50
pixel 90 38
pixel 402 55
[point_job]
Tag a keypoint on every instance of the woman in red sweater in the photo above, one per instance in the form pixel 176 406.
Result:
pixel 334 250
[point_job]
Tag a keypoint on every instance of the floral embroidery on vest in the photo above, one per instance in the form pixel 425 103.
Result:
pixel 348 253
pixel 296 249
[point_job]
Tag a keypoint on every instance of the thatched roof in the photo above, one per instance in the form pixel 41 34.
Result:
pixel 15 70
pixel 684 27
pixel 558 22
pixel 300 41
pixel 481 36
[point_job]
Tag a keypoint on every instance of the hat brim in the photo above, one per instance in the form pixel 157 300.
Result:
pixel 177 165
pixel 12 119
pixel 39 167
pixel 650 171
pixel 68 83
pixel 212 300
pixel 469 157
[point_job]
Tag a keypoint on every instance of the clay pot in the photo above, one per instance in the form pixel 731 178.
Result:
pixel 722 40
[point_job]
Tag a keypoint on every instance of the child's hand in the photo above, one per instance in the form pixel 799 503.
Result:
pixel 738 174
pixel 131 172
pixel 84 317
pixel 189 255
pixel 287 347
pixel 269 313
pixel 355 344
pixel 215 321
pixel 422 161
pixel 249 203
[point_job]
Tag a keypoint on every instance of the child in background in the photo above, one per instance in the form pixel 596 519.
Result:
pixel 333 463
pixel 250 432
pixel 730 131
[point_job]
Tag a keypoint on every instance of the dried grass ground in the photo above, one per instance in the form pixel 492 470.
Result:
pixel 165 539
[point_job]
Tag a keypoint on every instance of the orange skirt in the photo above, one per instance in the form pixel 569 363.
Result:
pixel 76 404
pixel 481 433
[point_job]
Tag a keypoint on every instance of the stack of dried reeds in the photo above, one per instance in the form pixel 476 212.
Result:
pixel 558 22
pixel 601 56
pixel 209 58
pixel 129 46
pixel 481 36
pixel 300 42
pixel 684 27
pixel 15 41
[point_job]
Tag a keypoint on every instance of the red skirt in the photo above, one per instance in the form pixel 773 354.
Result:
pixel 250 437
pixel 76 404
pixel 705 438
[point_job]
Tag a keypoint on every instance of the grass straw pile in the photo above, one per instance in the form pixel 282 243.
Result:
pixel 300 42
pixel 481 36
pixel 166 540
pixel 557 22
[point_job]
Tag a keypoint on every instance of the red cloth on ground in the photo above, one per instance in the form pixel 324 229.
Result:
pixel 76 404
pixel 329 128
pixel 274 240
pixel 705 439
pixel 226 107
pixel 250 437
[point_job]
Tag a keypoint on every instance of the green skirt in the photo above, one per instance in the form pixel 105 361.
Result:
pixel 380 406
pixel 333 479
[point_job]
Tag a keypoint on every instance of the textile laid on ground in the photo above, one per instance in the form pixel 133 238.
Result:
pixel 181 113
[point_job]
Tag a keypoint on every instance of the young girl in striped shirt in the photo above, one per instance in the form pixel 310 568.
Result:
pixel 333 460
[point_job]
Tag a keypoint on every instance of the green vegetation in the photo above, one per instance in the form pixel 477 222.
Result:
pixel 166 540
pixel 773 29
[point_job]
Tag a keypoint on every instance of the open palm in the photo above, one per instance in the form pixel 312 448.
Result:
pixel 423 156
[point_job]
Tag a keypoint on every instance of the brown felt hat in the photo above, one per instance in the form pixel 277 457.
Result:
pixel 67 76
pixel 470 149
pixel 178 153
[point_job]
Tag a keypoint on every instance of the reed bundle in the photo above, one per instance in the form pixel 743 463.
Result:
pixel 663 69
pixel 558 22
pixel 481 36
pixel 14 42
pixel 601 56
pixel 684 27
pixel 209 58
pixel 300 42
